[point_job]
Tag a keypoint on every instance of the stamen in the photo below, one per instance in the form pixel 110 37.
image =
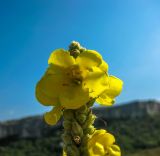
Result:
pixel 77 81
pixel 77 139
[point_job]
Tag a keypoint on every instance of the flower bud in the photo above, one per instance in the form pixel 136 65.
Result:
pixel 67 125
pixel 68 114
pixel 67 139
pixel 72 151
pixel 89 121
pixel 74 53
pixel 81 118
pixel 74 45
pixel 82 109
pixel 76 129
pixel 89 130
pixel 85 139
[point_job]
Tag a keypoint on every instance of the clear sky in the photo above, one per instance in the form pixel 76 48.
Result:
pixel 125 32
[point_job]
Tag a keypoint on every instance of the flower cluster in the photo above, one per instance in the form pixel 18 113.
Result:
pixel 102 144
pixel 71 82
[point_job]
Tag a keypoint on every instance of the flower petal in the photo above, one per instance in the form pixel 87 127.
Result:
pixel 74 96
pixel 106 139
pixel 113 89
pixel 61 58
pixel 103 137
pixel 94 137
pixel 50 86
pixel 104 66
pixel 98 149
pixel 101 143
pixel 89 58
pixel 96 81
pixel 104 99
pixel 115 86
pixel 53 116
pixel 43 98
pixel 114 150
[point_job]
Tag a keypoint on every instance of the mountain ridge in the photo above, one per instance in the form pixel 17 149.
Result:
pixel 136 127
pixel 35 127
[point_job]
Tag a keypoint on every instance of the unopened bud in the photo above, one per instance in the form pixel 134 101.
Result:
pixel 89 130
pixel 67 125
pixel 89 121
pixel 82 109
pixel 67 139
pixel 68 114
pixel 81 118
pixel 76 129
pixel 72 151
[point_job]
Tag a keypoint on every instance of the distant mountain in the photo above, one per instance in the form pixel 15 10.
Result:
pixel 129 110
pixel 30 127
pixel 136 126
pixel 35 127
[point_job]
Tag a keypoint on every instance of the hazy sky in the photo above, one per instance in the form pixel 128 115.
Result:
pixel 125 32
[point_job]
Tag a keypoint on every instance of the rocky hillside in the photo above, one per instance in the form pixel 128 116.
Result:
pixel 136 126
pixel 35 127
pixel 31 127
pixel 130 110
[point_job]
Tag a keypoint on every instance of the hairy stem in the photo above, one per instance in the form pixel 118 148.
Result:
pixel 78 124
pixel 78 128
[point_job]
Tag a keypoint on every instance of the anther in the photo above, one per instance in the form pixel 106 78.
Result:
pixel 77 139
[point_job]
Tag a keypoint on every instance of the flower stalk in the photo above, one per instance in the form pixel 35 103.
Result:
pixel 78 124
pixel 74 80
pixel 78 128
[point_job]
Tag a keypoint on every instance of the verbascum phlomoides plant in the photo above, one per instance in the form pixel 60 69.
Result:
pixel 73 81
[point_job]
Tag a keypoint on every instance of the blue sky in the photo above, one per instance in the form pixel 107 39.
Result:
pixel 125 32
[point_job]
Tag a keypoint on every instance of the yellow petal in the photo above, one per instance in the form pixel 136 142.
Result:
pixel 98 149
pixel 104 66
pixel 95 136
pixel 106 139
pixel 113 89
pixel 53 116
pixel 89 58
pixel 44 99
pixel 96 81
pixel 50 86
pixel 61 58
pixel 74 96
pixel 114 150
pixel 102 137
pixel 104 99
pixel 115 86
pixel 100 142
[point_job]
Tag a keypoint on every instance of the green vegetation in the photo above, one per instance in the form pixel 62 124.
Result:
pixel 137 137
pixel 138 134
pixel 150 152
pixel 32 147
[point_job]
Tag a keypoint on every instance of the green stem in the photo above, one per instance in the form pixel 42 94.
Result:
pixel 78 124
pixel 78 128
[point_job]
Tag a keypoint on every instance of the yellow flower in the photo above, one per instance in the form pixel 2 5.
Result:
pixel 53 116
pixel 102 144
pixel 71 82
pixel 112 90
